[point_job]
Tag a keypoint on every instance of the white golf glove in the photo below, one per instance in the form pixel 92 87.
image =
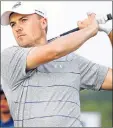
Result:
pixel 107 27
pixel 104 24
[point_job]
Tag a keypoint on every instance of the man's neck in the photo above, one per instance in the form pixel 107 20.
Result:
pixel 40 42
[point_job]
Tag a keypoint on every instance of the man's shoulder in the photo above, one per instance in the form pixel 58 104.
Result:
pixel 8 53
pixel 10 49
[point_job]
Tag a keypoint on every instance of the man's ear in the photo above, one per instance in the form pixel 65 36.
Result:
pixel 44 23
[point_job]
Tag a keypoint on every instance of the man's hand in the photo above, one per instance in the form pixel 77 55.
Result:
pixel 103 25
pixel 107 27
pixel 89 22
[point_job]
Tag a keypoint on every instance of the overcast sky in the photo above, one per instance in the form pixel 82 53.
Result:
pixel 63 16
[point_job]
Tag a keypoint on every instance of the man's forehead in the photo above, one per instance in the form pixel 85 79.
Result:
pixel 15 16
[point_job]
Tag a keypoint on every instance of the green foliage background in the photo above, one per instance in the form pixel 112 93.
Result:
pixel 101 101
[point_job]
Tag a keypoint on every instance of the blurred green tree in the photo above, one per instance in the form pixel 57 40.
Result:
pixel 92 101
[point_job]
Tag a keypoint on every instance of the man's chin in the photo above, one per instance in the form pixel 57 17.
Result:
pixel 24 44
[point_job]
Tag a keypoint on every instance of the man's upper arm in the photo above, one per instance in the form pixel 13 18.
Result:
pixel 40 55
pixel 107 85
pixel 92 75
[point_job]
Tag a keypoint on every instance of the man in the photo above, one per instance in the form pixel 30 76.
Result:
pixel 5 116
pixel 45 78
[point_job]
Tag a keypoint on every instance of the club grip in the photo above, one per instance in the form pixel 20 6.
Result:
pixel 109 16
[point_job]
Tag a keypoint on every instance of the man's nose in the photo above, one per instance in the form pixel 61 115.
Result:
pixel 18 28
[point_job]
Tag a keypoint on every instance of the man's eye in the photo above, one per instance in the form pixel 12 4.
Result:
pixel 12 25
pixel 23 20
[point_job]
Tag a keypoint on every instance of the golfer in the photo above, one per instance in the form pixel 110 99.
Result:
pixel 44 78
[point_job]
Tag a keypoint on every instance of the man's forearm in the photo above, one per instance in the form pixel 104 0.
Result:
pixel 111 37
pixel 72 42
pixel 61 46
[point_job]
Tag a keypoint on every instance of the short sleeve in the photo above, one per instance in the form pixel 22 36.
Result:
pixel 13 65
pixel 92 75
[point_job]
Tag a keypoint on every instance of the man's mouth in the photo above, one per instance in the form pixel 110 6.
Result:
pixel 20 36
